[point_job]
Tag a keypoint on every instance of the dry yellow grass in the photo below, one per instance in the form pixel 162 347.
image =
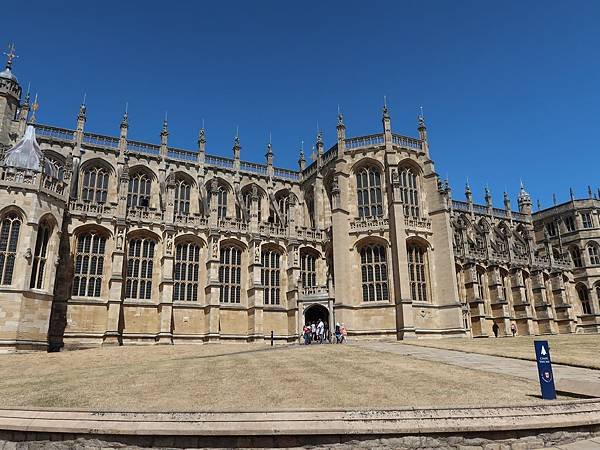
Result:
pixel 579 350
pixel 245 377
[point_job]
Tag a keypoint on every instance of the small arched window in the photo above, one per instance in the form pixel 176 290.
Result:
pixel 40 254
pixel 186 272
pixel 584 298
pixel 89 265
pixel 138 192
pixel 418 272
pixel 409 192
pixel 576 256
pixel 230 274
pixel 308 269
pixel 182 197
pixel 368 192
pixel 140 264
pixel 221 202
pixel 9 237
pixel 95 185
pixel 594 253
pixel 373 268
pixel 270 276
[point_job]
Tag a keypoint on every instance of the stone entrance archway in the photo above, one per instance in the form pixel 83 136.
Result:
pixel 316 312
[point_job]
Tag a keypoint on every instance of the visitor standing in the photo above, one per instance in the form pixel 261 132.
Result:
pixel 338 333
pixel 313 331
pixel 495 329
pixel 344 334
pixel 513 328
pixel 321 331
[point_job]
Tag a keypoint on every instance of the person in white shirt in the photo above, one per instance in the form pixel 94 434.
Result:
pixel 321 331
pixel 313 330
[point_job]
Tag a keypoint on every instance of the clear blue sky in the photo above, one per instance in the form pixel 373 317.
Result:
pixel 510 90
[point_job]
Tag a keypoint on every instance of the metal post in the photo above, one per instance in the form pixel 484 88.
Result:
pixel 271 338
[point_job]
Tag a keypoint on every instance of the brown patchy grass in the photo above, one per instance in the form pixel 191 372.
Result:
pixel 579 349
pixel 245 377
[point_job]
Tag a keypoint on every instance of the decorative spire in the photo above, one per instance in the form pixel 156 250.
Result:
pixel 386 114
pixel 202 136
pixel 82 109
pixel 125 120
pixel 571 194
pixel 488 196
pixel 301 159
pixel 524 200
pixel 27 96
pixel 34 107
pixel 590 192
pixel 340 117
pixel 421 118
pixel 554 199
pixel 506 201
pixel 165 127
pixel 539 204
pixel 10 55
pixel 467 188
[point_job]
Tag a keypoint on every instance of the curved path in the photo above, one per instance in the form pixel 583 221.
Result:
pixel 568 379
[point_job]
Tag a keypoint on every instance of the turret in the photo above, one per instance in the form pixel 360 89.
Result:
pixel 468 193
pixel 525 205
pixel 123 129
pixel 10 93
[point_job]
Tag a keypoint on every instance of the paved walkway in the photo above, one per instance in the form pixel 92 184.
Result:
pixel 568 379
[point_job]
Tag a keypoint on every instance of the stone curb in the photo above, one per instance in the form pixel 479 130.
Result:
pixel 409 421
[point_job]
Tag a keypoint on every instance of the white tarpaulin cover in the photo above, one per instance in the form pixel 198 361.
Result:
pixel 26 154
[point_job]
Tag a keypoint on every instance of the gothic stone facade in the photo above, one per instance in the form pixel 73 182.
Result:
pixel 139 243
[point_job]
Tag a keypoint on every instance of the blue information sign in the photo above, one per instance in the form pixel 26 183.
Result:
pixel 544 365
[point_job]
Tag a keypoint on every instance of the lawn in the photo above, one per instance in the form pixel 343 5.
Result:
pixel 245 377
pixel 578 349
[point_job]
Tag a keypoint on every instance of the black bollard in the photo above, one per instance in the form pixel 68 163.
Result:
pixel 271 338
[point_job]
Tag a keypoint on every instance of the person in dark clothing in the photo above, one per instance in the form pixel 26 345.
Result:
pixel 338 333
pixel 495 329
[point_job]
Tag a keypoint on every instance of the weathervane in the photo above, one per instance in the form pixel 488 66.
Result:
pixel 10 55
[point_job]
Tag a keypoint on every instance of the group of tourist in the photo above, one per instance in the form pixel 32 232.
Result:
pixel 319 332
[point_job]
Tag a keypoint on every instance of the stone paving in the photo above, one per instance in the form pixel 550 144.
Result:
pixel 590 444
pixel 569 380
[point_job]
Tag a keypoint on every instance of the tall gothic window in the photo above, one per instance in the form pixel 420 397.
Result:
pixel 9 236
pixel 308 269
pixel 480 284
pixel 95 185
pixel 140 260
pixel 270 276
pixel 368 191
pixel 586 220
pixel 584 298
pixel 576 256
pixel 594 253
pixel 283 204
pixel 186 272
pixel 39 257
pixel 57 168
pixel 138 192
pixel 373 268
pixel 221 202
pixel 182 197
pixel 230 274
pixel 409 192
pixel 89 265
pixel 417 272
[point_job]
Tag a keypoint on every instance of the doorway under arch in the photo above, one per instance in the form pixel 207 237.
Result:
pixel 316 312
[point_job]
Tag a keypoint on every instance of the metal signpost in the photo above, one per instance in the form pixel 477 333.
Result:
pixel 544 365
